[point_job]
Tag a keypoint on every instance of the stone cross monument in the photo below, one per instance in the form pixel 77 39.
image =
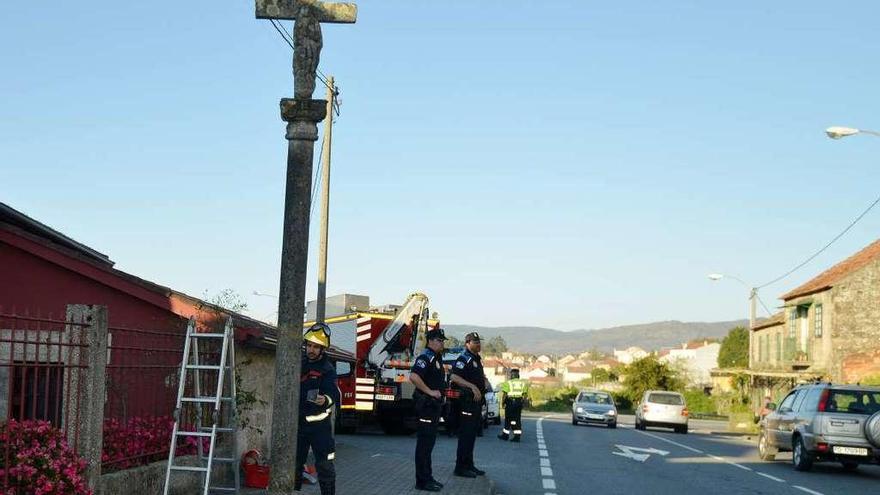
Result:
pixel 302 114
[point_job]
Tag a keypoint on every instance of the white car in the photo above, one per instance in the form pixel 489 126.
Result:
pixel 664 409
pixel 493 413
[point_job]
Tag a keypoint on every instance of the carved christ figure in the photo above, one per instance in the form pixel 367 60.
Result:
pixel 307 44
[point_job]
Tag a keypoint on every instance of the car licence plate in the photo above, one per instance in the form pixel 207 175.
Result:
pixel 850 451
pixel 595 416
pixel 384 397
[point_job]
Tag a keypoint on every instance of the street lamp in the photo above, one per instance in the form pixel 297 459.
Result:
pixel 264 294
pixel 753 295
pixel 837 132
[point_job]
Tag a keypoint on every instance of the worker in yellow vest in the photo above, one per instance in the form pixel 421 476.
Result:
pixel 516 391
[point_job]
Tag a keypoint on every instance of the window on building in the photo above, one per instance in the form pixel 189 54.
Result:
pixel 779 345
pixel 792 323
pixel 818 322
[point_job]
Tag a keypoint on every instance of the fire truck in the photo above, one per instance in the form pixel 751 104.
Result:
pixel 385 342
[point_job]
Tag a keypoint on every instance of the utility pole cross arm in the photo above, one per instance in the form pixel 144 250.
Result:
pixel 326 12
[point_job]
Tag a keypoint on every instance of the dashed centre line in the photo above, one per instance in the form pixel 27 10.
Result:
pixel 547 481
pixel 727 461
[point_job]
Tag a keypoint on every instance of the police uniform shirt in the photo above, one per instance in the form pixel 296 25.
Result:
pixel 430 369
pixel 470 367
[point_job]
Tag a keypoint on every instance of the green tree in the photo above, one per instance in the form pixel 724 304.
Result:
pixel 453 342
pixel 734 352
pixel 649 374
pixel 229 300
pixel 494 346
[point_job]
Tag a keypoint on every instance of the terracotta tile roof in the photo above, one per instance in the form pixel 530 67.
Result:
pixel 831 276
pixel 777 319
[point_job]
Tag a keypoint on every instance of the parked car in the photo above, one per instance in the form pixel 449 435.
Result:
pixel 594 406
pixel 664 409
pixel 822 422
pixel 493 409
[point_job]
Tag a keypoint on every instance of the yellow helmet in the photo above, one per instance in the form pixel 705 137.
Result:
pixel 319 333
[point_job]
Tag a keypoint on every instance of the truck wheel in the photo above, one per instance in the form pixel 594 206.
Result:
pixel 800 458
pixel 765 451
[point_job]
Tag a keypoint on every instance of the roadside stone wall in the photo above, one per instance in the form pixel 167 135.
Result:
pixel 856 326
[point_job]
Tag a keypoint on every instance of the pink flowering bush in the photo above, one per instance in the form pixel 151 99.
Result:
pixel 141 440
pixel 39 460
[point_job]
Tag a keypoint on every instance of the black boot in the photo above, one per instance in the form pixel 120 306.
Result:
pixel 328 487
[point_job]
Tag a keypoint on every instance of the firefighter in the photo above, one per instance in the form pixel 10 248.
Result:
pixel 515 392
pixel 429 378
pixel 468 377
pixel 318 395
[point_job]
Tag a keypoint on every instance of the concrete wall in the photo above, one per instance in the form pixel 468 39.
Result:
pixel 257 371
pixel 855 335
pixel 150 480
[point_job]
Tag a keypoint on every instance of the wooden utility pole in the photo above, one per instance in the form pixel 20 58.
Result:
pixel 302 114
pixel 325 202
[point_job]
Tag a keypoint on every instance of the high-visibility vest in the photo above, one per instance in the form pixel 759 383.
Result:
pixel 515 388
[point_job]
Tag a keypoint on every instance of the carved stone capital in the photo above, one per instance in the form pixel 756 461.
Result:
pixel 302 117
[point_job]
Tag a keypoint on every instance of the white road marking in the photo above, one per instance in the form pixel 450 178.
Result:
pixel 807 490
pixel 726 461
pixel 547 480
pixel 637 453
pixel 774 478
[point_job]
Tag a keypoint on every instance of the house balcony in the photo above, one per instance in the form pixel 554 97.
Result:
pixel 797 355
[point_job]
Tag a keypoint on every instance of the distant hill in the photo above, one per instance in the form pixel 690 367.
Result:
pixel 649 336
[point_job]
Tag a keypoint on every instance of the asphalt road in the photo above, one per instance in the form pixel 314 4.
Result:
pixel 595 460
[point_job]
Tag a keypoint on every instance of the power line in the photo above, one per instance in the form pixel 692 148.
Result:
pixel 282 32
pixel 817 253
pixel 763 305
pixel 288 38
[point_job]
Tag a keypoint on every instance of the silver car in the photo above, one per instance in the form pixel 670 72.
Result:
pixel 662 408
pixel 594 406
pixel 822 422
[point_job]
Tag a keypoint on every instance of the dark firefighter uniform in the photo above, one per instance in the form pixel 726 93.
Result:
pixel 469 366
pixel 429 367
pixel 315 427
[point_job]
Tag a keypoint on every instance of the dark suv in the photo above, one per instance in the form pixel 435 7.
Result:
pixel 822 422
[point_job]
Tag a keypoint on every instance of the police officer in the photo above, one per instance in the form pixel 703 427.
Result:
pixel 515 392
pixel 429 377
pixel 318 395
pixel 468 377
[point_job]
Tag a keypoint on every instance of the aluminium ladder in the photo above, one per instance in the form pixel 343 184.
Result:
pixel 223 415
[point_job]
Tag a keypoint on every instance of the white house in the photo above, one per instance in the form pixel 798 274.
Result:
pixel 574 374
pixel 534 371
pixel 694 361
pixel 630 354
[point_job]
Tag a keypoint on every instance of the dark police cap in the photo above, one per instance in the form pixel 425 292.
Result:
pixel 472 337
pixel 436 334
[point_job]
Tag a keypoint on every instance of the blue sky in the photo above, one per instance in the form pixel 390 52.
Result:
pixel 576 164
